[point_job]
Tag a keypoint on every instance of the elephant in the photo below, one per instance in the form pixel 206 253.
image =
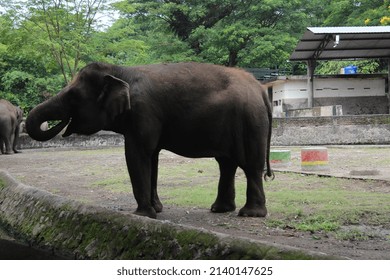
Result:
pixel 191 109
pixel 10 119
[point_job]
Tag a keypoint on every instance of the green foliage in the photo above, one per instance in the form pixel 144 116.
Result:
pixel 61 28
pixel 357 13
pixel 44 43
pixel 26 90
pixel 225 32
pixel 364 66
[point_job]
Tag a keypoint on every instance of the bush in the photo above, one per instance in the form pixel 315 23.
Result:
pixel 26 90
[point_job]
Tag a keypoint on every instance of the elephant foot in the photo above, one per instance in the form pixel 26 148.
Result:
pixel 157 205
pixel 223 207
pixel 149 212
pixel 253 211
pixel 17 152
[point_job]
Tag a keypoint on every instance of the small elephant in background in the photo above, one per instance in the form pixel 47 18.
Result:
pixel 10 119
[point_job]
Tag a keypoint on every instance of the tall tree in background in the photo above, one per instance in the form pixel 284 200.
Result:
pixel 27 74
pixel 43 43
pixel 61 27
pixel 358 13
pixel 225 32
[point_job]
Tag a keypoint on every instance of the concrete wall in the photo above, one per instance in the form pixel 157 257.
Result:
pixel 323 111
pixel 101 139
pixel 363 105
pixel 337 130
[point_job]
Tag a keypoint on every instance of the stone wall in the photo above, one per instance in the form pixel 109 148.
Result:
pixel 101 139
pixel 336 130
pixel 363 105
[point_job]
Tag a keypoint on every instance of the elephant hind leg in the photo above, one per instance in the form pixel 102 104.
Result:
pixel 15 142
pixel 8 138
pixel 8 146
pixel 255 197
pixel 226 190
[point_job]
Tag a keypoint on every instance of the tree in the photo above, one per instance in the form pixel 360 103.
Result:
pixel 357 13
pixel 127 42
pixel 225 31
pixel 62 28
pixel 27 75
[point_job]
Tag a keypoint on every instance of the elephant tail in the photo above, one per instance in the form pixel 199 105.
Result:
pixel 269 174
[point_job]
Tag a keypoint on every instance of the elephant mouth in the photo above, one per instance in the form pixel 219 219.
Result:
pixel 82 128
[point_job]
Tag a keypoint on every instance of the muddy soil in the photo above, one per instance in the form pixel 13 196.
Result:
pixel 69 173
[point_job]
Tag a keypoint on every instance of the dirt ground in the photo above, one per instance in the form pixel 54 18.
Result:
pixel 69 173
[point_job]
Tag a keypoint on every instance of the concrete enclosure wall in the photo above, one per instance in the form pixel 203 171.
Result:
pixel 83 231
pixel 336 130
pixel 101 139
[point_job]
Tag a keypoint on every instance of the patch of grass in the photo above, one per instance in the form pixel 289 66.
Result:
pixel 119 183
pixel 201 196
pixel 188 170
pixel 353 235
pixel 2 183
pixel 317 223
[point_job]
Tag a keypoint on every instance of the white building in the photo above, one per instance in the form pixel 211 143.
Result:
pixel 356 94
pixel 352 94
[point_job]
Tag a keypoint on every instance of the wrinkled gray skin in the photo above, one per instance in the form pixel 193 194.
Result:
pixel 194 110
pixel 10 119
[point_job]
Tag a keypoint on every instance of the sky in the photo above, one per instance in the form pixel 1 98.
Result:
pixel 105 18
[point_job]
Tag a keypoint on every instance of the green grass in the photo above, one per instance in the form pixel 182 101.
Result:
pixel 353 235
pixel 304 203
pixel 116 183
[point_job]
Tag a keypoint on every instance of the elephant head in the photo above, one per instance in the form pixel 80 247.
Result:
pixel 19 115
pixel 90 103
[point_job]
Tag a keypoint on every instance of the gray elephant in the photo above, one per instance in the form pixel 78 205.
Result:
pixel 192 109
pixel 10 119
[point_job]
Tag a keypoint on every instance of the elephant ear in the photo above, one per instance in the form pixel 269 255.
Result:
pixel 115 98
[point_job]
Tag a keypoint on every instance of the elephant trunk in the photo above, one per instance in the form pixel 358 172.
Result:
pixel 53 109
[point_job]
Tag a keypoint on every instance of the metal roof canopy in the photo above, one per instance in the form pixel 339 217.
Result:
pixel 331 43
pixel 328 43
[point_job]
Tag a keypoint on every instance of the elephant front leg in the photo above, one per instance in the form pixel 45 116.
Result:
pixel 156 203
pixel 140 170
pixel 2 146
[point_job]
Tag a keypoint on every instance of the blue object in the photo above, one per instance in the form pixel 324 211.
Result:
pixel 350 69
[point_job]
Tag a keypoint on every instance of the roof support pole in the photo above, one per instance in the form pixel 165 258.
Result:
pixel 311 65
pixel 388 84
